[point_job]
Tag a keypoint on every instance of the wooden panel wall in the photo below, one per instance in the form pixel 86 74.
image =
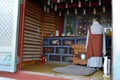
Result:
pixel 37 24
pixel 50 23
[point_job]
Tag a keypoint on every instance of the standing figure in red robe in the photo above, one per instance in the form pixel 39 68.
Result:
pixel 94 43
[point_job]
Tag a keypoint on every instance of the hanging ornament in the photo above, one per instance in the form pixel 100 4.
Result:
pixel 84 11
pixel 48 2
pixel 75 11
pixel 58 1
pixel 52 5
pixel 59 13
pixel 90 3
pixel 67 12
pixel 79 4
pixel 66 6
pixel 104 9
pixel 99 2
pixel 94 11
pixel 55 7
pixel 44 7
pixel 71 1
pixel 48 9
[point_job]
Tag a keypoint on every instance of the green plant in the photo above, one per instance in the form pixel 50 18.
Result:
pixel 69 28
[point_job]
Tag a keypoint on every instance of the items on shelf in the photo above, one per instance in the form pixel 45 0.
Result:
pixel 62 52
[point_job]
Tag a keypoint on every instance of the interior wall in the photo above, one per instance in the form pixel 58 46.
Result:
pixel 37 24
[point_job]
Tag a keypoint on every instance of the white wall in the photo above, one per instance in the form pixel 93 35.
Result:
pixel 116 39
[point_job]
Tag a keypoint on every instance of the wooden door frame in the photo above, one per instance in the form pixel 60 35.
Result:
pixel 21 34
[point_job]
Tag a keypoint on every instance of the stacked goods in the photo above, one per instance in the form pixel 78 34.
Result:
pixel 79 52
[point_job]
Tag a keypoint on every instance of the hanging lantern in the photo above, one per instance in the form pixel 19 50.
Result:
pixel 44 7
pixel 48 9
pixel 66 6
pixel 67 12
pixel 79 4
pixel 58 1
pixel 71 1
pixel 48 2
pixel 104 9
pixel 75 11
pixel 90 3
pixel 94 11
pixel 59 13
pixel 99 2
pixel 84 11
pixel 55 7
pixel 51 5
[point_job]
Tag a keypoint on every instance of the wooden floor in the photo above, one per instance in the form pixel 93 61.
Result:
pixel 47 69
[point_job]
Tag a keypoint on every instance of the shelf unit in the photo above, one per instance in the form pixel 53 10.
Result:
pixel 59 49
